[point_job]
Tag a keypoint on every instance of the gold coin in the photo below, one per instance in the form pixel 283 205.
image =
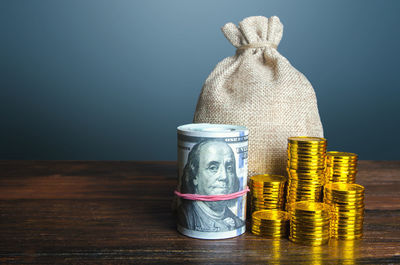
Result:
pixel 305 163
pixel 270 215
pixel 305 139
pixel 345 188
pixel 306 156
pixel 342 154
pixel 268 178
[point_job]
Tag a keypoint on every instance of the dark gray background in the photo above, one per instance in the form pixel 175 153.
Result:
pixel 113 79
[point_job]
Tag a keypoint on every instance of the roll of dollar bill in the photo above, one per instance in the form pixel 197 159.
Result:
pixel 212 180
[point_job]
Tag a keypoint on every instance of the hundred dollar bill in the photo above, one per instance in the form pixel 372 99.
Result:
pixel 212 160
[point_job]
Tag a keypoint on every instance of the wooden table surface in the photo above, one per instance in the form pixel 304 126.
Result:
pixel 79 212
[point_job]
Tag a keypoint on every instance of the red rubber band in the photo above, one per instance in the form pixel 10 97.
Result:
pixel 210 198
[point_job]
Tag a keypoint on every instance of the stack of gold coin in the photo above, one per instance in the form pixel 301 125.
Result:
pixel 341 167
pixel 270 223
pixel 347 202
pixel 306 169
pixel 267 192
pixel 310 223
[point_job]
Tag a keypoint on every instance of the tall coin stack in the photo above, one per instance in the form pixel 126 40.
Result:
pixel 347 202
pixel 341 167
pixel 306 169
pixel 270 223
pixel 267 192
pixel 309 223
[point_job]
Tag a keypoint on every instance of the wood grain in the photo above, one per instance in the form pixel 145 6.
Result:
pixel 81 212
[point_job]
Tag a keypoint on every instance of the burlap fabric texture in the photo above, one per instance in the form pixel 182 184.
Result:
pixel 259 88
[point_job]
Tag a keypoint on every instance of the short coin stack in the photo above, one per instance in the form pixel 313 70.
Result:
pixel 341 167
pixel 309 223
pixel 306 169
pixel 270 223
pixel 267 192
pixel 347 202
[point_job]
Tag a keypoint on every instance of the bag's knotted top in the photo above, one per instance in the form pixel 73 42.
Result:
pixel 254 32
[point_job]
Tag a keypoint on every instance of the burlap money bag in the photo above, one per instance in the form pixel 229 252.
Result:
pixel 259 88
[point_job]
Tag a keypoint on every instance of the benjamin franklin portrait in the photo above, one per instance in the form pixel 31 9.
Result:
pixel 210 170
